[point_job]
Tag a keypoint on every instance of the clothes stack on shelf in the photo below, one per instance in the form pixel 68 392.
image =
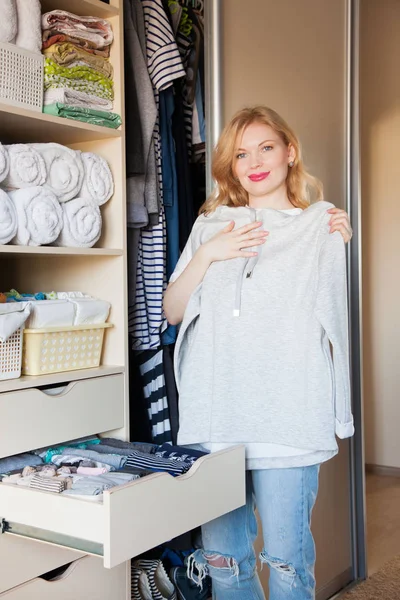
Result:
pixel 78 76
pixel 164 73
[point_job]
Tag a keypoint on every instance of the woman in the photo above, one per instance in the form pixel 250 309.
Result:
pixel 260 289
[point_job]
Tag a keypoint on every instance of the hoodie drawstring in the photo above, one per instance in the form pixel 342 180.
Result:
pixel 246 272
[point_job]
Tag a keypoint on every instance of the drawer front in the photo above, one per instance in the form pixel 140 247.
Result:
pixel 134 517
pixel 85 578
pixel 34 418
pixel 23 559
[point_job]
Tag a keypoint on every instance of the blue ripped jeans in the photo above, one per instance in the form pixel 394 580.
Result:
pixel 285 499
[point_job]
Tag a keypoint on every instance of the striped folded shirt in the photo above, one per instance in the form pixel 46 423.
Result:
pixel 48 484
pixel 150 462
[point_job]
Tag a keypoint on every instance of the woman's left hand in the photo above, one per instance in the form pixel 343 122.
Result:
pixel 340 221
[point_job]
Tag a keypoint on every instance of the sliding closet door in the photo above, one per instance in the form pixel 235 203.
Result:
pixel 291 56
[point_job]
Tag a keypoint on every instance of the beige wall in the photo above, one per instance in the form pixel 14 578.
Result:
pixel 291 56
pixel 380 161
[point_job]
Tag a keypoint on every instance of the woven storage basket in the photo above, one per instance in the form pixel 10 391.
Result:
pixel 10 356
pixel 58 349
pixel 21 77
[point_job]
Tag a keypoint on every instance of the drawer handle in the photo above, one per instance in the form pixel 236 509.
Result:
pixel 59 390
pixel 60 573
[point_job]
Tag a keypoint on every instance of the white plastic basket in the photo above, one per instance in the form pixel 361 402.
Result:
pixel 10 356
pixel 58 349
pixel 21 77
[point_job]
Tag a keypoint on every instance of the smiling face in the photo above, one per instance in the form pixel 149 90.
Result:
pixel 261 163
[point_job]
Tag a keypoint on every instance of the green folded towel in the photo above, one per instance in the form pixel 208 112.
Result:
pixel 86 115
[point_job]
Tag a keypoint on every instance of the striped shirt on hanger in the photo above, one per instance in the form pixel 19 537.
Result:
pixel 164 64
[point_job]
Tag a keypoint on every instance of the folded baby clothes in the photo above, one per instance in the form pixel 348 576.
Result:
pixel 65 54
pixel 179 454
pixel 8 218
pixel 50 37
pixel 93 486
pixel 39 215
pixel 51 313
pixel 150 462
pixel 19 461
pixel 27 167
pixel 91 470
pixel 105 449
pixel 48 484
pixel 12 317
pixel 4 162
pixel 69 460
pixel 141 446
pixel 90 311
pixel 65 99
pixel 92 29
pixel 109 459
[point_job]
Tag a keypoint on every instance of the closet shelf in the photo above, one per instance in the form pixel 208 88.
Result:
pixel 92 8
pixel 29 381
pixel 24 125
pixel 58 251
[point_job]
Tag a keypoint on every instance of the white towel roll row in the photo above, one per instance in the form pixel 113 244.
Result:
pixel 34 217
pixel 65 172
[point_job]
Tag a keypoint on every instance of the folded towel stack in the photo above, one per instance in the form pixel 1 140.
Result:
pixel 78 80
pixel 20 24
pixel 40 177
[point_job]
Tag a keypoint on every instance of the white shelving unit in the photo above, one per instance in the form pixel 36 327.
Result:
pixel 57 530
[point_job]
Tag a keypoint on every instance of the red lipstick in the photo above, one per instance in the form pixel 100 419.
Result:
pixel 259 176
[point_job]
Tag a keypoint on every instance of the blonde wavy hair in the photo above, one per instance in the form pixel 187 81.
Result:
pixel 302 187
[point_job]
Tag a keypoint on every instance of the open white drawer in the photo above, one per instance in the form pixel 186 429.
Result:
pixel 134 517
pixel 36 417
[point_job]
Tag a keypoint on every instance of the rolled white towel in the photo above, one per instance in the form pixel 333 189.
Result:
pixel 39 214
pixel 8 21
pixel 82 224
pixel 27 167
pixel 8 218
pixel 98 183
pixel 64 170
pixel 4 162
pixel 29 17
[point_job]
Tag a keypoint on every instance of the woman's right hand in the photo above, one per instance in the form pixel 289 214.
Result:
pixel 229 243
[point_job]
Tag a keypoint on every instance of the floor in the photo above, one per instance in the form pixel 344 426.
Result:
pixel 383 520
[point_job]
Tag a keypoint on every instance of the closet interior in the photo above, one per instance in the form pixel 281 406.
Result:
pixel 92 542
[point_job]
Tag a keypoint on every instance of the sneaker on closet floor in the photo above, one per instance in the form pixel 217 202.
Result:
pixel 187 589
pixel 161 586
pixel 140 587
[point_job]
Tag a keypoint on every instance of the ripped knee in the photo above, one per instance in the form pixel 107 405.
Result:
pixel 202 563
pixel 283 567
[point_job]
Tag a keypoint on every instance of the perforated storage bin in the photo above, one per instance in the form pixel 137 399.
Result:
pixel 54 350
pixel 21 77
pixel 10 356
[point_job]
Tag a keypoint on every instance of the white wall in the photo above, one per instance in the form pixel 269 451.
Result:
pixel 380 167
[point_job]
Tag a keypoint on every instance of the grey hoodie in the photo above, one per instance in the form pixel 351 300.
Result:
pixel 252 359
